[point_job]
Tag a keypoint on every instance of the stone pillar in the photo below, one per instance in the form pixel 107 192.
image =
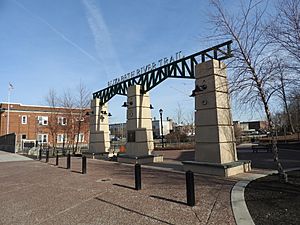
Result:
pixel 99 128
pixel 139 144
pixel 215 141
pixel 215 149
pixel 139 123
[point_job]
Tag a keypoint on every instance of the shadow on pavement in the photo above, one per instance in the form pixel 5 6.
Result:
pixel 62 167
pixel 131 210
pixel 75 171
pixel 167 199
pixel 124 186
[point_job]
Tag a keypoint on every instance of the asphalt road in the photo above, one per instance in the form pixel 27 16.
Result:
pixel 290 158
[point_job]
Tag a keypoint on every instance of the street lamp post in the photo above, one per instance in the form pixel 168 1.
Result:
pixel 162 128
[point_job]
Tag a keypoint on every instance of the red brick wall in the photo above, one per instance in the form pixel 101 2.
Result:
pixel 32 128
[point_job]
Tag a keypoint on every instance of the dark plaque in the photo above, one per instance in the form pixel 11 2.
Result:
pixel 29 144
pixel 130 136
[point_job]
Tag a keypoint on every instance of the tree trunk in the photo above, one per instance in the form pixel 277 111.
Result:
pixel 286 105
pixel 78 132
pixel 282 174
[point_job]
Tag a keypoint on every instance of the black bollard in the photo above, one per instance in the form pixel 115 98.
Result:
pixel 138 177
pixel 68 161
pixel 56 163
pixel 47 155
pixel 190 189
pixel 83 164
pixel 40 154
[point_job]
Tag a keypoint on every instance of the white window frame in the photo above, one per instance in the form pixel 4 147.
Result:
pixel 62 121
pixel 42 138
pixel 81 137
pixel 24 117
pixel 61 138
pixel 43 120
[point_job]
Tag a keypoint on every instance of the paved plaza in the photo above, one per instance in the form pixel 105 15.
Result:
pixel 33 192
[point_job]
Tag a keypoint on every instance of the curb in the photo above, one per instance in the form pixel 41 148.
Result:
pixel 238 203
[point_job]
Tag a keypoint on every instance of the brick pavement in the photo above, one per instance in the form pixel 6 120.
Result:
pixel 33 192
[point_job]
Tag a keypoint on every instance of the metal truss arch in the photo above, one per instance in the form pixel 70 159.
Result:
pixel 182 68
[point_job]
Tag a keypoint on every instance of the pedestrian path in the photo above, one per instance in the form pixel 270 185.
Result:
pixel 12 157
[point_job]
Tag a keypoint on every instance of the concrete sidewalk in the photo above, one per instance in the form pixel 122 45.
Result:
pixel 33 192
pixel 12 157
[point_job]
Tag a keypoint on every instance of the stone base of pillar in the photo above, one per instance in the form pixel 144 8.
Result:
pixel 123 158
pixel 99 142
pixel 100 155
pixel 223 170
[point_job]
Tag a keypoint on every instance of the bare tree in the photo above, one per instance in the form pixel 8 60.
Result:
pixel 294 107
pixel 179 117
pixel 179 114
pixel 82 103
pixel 251 80
pixel 284 31
pixel 70 120
pixel 67 101
pixel 284 82
pixel 52 101
pixel 190 120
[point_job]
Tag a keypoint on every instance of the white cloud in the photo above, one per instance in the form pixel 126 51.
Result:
pixel 102 38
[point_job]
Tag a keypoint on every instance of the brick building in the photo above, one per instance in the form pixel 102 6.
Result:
pixel 46 125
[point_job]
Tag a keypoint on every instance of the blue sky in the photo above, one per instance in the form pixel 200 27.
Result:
pixel 58 43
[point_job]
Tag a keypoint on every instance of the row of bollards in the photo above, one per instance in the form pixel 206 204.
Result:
pixel 138 177
pixel 40 154
pixel 190 184
pixel 190 188
pixel 68 161
pixel 83 163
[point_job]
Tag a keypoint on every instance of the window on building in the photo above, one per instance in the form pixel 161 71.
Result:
pixel 62 121
pixel 24 119
pixel 79 137
pixel 42 138
pixel 43 120
pixel 23 136
pixel 61 138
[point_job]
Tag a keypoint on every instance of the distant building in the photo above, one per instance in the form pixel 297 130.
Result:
pixel 167 127
pixel 244 126
pixel 251 127
pixel 187 129
pixel 45 125
pixel 118 130
pixel 258 125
